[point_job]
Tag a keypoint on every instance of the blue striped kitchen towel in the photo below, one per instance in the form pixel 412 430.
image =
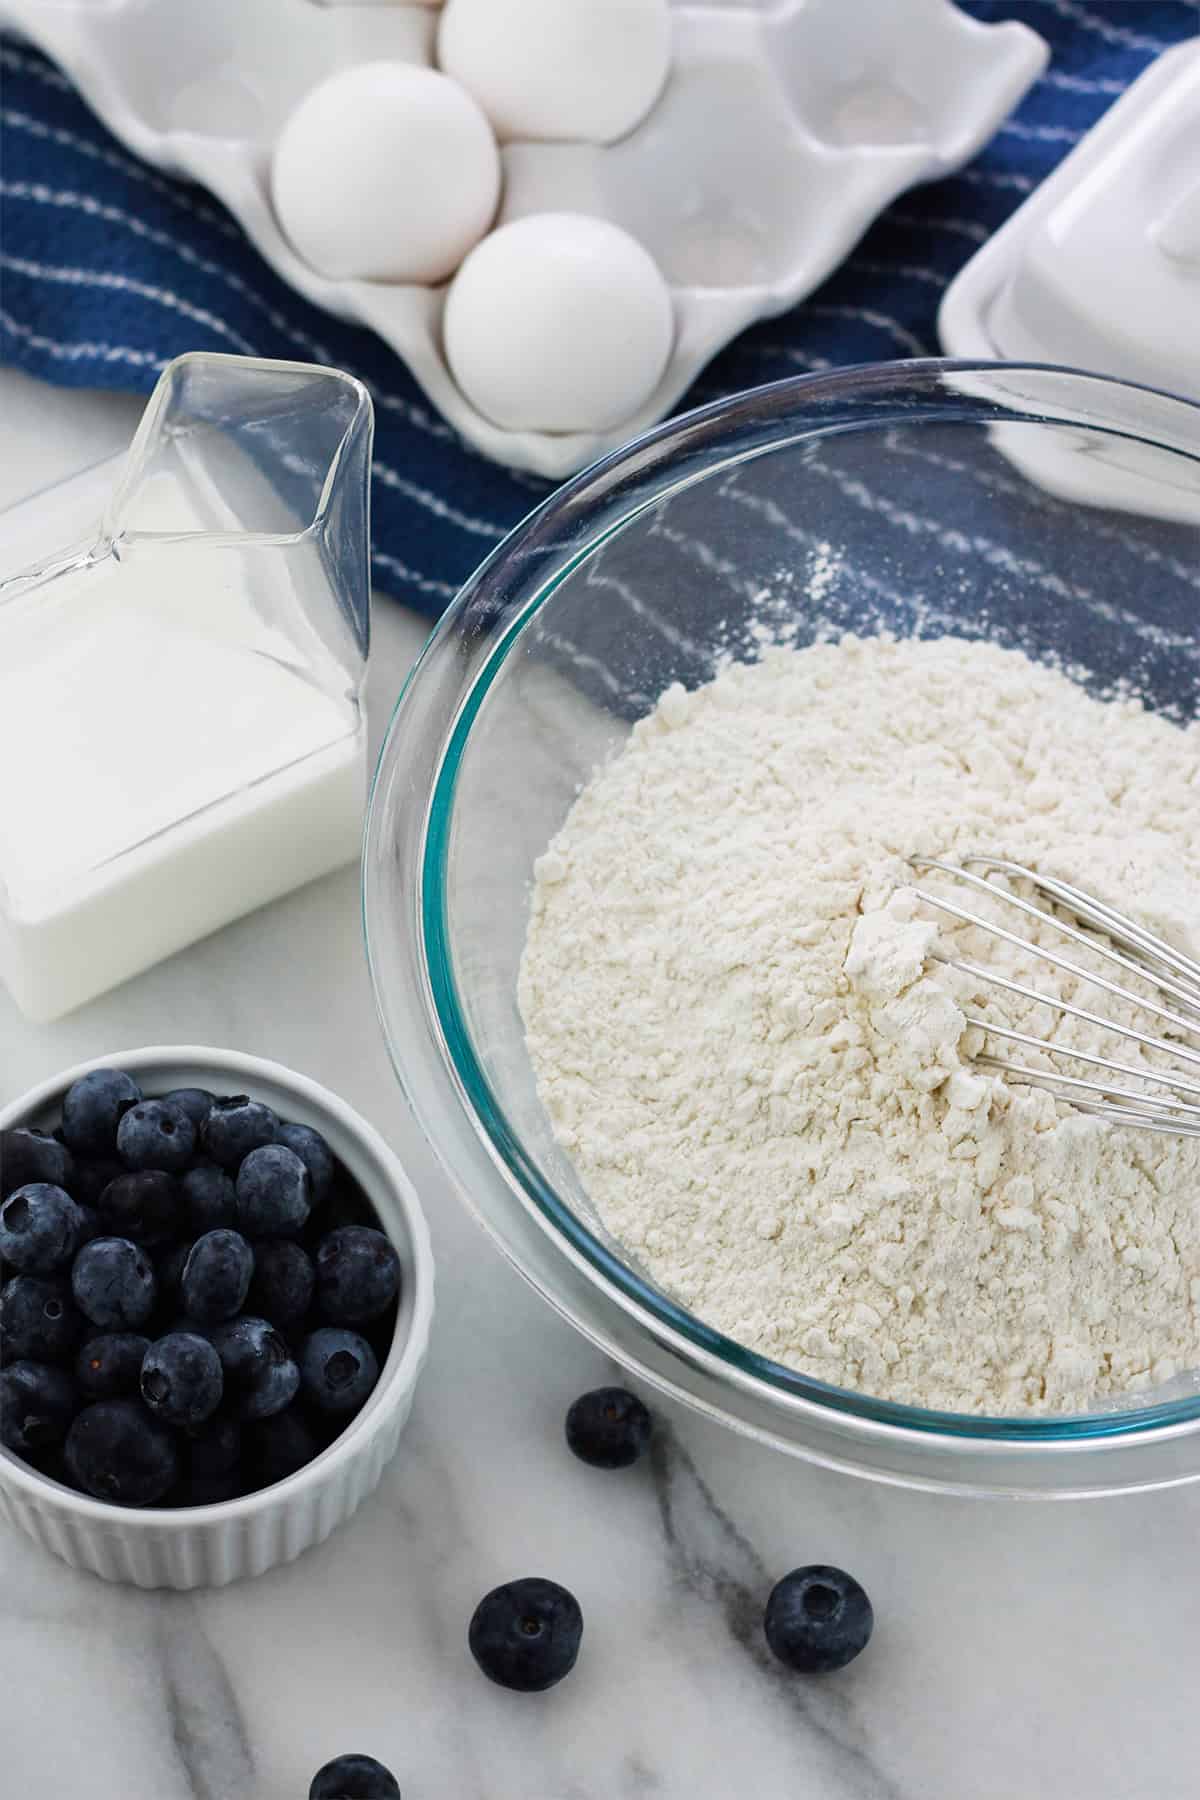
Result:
pixel 109 269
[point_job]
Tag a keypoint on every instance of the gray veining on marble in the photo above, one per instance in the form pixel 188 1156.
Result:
pixel 1021 1652
pixel 205 1719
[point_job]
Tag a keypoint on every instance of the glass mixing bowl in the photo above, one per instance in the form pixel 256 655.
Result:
pixel 1036 507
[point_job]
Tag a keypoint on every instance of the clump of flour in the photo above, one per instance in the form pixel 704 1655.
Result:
pixel 765 1079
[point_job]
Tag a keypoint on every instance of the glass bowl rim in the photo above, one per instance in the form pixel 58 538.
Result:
pixel 650 457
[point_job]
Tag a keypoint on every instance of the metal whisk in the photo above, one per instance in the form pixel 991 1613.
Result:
pixel 1121 943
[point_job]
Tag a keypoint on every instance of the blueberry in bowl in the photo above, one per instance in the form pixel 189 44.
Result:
pixel 209 1357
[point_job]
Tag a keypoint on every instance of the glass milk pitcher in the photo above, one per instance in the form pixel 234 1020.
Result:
pixel 181 722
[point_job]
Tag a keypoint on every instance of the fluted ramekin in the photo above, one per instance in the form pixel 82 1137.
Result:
pixel 209 1546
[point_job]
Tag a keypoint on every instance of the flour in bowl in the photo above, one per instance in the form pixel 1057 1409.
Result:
pixel 763 1078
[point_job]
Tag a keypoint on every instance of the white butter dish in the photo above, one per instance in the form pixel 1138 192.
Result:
pixel 1100 270
pixel 182 649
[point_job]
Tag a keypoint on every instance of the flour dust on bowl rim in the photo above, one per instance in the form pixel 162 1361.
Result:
pixel 210 1546
pixel 887 499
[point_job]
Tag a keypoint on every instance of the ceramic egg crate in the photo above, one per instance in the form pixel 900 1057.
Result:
pixel 781 130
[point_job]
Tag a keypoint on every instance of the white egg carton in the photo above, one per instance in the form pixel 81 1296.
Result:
pixel 785 128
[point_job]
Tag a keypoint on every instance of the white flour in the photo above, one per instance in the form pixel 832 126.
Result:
pixel 765 1084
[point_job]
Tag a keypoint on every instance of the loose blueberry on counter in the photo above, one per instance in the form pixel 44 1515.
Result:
pixel 260 1376
pixel 274 1193
pixel 526 1634
pixel 117 1452
pixel 216 1277
pixel 212 1449
pixel 608 1428
pixel 93 1107
pixel 41 1228
pixel 110 1365
pixel 313 1152
pixel 234 1127
pixel 38 1320
pixel 113 1284
pixel 279 1446
pixel 358 1275
pixel 197 1103
pixel 209 1198
pixel 37 1404
pixel 818 1619
pixel 338 1369
pixel 182 1382
pixel 142 1205
pixel 27 1155
pixel 284 1279
pixel 156 1135
pixel 354 1778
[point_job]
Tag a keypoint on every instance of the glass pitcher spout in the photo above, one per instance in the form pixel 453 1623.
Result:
pixel 255 454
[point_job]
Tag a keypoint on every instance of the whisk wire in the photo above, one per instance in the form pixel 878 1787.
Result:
pixel 1171 1080
pixel 1146 1039
pixel 1190 996
pixel 1104 1090
pixel 1103 917
pixel 1152 961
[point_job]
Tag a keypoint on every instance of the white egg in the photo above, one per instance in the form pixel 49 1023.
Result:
pixel 386 172
pixel 559 68
pixel 558 322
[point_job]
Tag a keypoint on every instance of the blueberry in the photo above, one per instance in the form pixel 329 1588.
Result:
pixel 182 1382
pixel 27 1155
pixel 117 1452
pixel 346 1205
pixel 216 1276
pixel 143 1206
pixel 93 1108
pixel 284 1279
pixel 818 1619
pixel 338 1369
pixel 90 1225
pixel 197 1103
pixel 156 1135
pixel 209 1198
pixel 358 1275
pixel 38 1320
pixel 212 1449
pixel 168 1272
pixel 354 1777
pixel 92 1177
pixel 526 1634
pixel 40 1228
pixel 260 1376
pixel 274 1192
pixel 277 1447
pixel 37 1404
pixel 313 1152
pixel 110 1365
pixel 113 1284
pixel 234 1127
pixel 608 1428
pixel 206 1490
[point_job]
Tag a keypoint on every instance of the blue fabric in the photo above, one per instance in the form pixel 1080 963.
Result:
pixel 108 269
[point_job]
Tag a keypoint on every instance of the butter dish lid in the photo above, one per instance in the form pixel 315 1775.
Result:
pixel 1100 268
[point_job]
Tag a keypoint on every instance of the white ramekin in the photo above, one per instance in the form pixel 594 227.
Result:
pixel 208 1546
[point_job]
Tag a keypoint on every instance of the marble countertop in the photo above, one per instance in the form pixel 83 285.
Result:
pixel 1021 1652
